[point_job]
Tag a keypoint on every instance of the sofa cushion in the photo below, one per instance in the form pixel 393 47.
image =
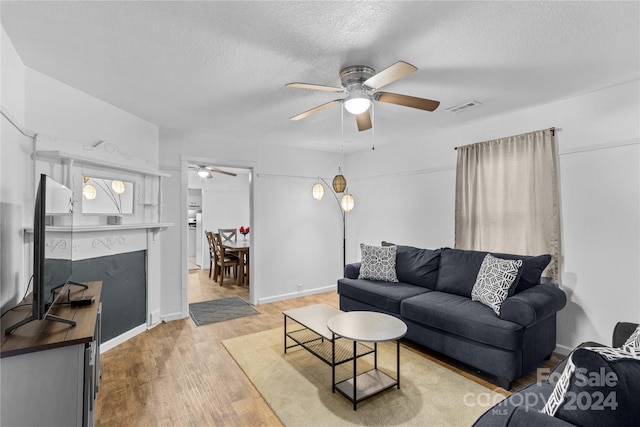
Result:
pixel 460 316
pixel 458 271
pixel 532 268
pixel 383 295
pixel 459 268
pixel 378 263
pixel 494 279
pixel 417 266
pixel 600 389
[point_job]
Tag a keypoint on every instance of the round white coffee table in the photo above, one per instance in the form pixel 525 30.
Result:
pixel 367 327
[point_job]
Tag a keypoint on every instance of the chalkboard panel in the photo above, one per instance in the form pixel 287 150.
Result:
pixel 124 289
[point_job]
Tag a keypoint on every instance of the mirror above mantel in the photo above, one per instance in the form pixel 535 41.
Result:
pixel 103 196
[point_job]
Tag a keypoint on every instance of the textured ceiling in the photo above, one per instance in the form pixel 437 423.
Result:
pixel 220 67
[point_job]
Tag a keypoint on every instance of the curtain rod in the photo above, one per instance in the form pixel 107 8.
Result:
pixel 552 129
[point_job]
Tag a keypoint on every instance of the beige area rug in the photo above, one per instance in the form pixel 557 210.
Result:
pixel 297 386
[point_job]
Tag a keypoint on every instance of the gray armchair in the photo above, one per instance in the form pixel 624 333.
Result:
pixel 621 333
pixel 522 409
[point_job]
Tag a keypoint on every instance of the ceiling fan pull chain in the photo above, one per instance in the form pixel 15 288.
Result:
pixel 342 128
pixel 373 128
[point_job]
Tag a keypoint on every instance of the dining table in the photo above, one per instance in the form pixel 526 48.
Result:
pixel 241 248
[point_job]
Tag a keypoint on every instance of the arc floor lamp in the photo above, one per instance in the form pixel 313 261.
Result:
pixel 345 204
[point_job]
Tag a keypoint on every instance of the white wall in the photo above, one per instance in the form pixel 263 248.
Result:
pixel 12 87
pixel 66 113
pixel 47 106
pixel 16 182
pixel 300 237
pixel 405 193
pixel 295 239
pixel 225 204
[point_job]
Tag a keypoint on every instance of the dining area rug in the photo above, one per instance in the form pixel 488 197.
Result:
pixel 297 386
pixel 219 310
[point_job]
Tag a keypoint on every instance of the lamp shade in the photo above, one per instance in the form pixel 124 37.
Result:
pixel 357 105
pixel 118 187
pixel 318 191
pixel 89 191
pixel 339 183
pixel 347 203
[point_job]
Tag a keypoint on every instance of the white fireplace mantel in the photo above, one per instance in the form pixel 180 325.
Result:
pixel 101 228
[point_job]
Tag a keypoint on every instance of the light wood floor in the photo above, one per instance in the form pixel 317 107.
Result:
pixel 177 374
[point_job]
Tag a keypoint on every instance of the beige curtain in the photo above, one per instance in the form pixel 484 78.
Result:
pixel 507 197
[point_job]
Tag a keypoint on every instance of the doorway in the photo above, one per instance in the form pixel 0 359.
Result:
pixel 218 196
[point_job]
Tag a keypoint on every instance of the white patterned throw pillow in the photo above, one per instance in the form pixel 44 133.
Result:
pixel 494 279
pixel 558 395
pixel 632 344
pixel 378 263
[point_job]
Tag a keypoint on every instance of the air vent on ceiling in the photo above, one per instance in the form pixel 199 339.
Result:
pixel 464 106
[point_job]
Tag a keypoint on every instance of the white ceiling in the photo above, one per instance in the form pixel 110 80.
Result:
pixel 220 67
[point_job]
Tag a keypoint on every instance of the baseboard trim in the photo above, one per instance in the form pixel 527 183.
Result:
pixel 173 316
pixel 114 342
pixel 296 294
pixel 563 349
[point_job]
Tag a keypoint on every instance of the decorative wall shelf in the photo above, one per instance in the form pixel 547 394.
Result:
pixel 63 156
pixel 104 155
pixel 99 228
pixel 89 228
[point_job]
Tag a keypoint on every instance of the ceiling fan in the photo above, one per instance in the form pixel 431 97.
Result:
pixel 361 84
pixel 207 171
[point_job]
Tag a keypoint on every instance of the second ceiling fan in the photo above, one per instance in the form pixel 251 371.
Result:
pixel 208 171
pixel 361 84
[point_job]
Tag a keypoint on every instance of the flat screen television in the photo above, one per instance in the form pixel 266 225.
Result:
pixel 52 249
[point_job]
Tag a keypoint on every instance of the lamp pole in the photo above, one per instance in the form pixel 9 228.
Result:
pixel 344 238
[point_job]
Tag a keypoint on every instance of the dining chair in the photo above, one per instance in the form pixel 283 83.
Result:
pixel 228 234
pixel 224 262
pixel 212 254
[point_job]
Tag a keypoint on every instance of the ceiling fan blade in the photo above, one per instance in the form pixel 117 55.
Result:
pixel 315 109
pixel 315 87
pixel 407 101
pixel 364 121
pixel 212 169
pixel 390 74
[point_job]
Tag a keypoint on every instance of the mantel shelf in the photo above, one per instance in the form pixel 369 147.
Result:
pixel 90 228
pixel 62 155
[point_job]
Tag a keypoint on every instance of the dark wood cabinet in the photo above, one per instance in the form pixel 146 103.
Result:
pixel 50 371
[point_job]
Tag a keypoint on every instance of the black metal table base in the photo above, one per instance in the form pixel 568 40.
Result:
pixel 362 386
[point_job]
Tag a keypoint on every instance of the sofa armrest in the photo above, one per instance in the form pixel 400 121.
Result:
pixel 352 271
pixel 533 305
pixel 529 417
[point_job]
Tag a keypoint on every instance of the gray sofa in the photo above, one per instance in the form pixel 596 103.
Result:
pixel 433 297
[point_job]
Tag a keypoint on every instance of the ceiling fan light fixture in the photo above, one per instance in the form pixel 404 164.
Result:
pixel 357 104
pixel 204 173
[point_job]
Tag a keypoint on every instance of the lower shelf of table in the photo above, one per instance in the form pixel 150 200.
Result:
pixel 367 384
pixel 322 348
